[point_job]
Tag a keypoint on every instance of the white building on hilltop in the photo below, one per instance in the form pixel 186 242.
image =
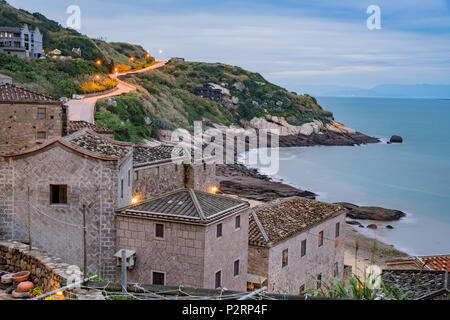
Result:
pixel 21 42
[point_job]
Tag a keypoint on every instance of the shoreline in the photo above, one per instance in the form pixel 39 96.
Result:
pixel 249 184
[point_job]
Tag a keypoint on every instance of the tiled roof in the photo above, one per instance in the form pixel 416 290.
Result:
pixel 87 143
pixel 12 93
pixel 435 262
pixel 186 205
pixel 86 140
pixel 418 284
pixel 280 220
pixel 75 126
pixel 145 154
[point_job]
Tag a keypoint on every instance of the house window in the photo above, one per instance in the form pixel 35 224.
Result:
pixel 303 249
pixel 320 238
pixel 158 278
pixel 157 171
pixel 42 113
pixel 236 268
pixel 58 194
pixel 237 222
pixel 204 166
pixel 336 270
pixel 319 281
pixel 284 260
pixel 136 175
pixel 338 226
pixel 121 188
pixel 219 230
pixel 301 291
pixel 159 230
pixel 218 282
pixel 176 168
pixel 41 135
pixel 129 178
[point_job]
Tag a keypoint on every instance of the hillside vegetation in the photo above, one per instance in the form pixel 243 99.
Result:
pixel 166 97
pixel 63 78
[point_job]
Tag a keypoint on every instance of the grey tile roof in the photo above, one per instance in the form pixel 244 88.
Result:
pixel 419 284
pixel 88 141
pixel 186 205
pixel 279 220
pixel 145 154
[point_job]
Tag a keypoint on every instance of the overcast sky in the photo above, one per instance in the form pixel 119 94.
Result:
pixel 291 43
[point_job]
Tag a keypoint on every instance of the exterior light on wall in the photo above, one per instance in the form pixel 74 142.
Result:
pixel 116 70
pixel 213 189
pixel 135 200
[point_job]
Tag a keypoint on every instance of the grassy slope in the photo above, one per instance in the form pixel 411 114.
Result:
pixel 61 78
pixel 166 97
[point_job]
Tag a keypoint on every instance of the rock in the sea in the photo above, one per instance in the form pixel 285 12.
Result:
pixel 389 227
pixel 353 222
pixel 372 226
pixel 371 213
pixel 396 139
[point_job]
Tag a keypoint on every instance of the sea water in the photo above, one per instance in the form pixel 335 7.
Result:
pixel 413 176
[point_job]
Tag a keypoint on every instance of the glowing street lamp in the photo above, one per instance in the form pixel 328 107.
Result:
pixel 135 200
pixel 97 77
pixel 132 59
pixel 98 62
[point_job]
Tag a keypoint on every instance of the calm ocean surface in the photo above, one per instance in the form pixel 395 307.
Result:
pixel 413 177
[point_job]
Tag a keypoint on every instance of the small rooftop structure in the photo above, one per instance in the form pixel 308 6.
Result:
pixel 279 220
pixel 434 262
pixel 419 284
pixel 75 126
pixel 186 205
pixel 10 93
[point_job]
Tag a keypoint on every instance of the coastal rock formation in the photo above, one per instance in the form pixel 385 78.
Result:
pixel 371 213
pixel 356 223
pixel 396 139
pixel 372 226
pixel 389 227
pixel 326 138
pixel 248 183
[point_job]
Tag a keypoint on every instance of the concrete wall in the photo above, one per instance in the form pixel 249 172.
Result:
pixel 150 183
pixel 57 228
pixel 318 260
pixel 220 253
pixel 180 255
pixel 19 125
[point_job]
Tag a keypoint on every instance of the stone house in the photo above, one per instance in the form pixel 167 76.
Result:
pixel 155 172
pixel 187 237
pixel 21 42
pixel 296 243
pixel 44 190
pixel 28 119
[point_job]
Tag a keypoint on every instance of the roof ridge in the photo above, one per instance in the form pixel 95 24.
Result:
pixel 197 204
pixel 260 226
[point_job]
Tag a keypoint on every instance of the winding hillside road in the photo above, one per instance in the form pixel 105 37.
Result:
pixel 83 109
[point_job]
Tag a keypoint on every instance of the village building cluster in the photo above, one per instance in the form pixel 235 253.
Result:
pixel 160 211
pixel 21 42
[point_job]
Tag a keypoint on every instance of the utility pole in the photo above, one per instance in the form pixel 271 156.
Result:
pixel 29 220
pixel 84 242
pixel 124 273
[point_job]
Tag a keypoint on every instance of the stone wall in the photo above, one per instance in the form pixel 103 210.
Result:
pixel 318 260
pixel 57 228
pixel 19 125
pixel 150 181
pixel 221 253
pixel 258 261
pixel 180 255
pixel 46 271
pixel 201 176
